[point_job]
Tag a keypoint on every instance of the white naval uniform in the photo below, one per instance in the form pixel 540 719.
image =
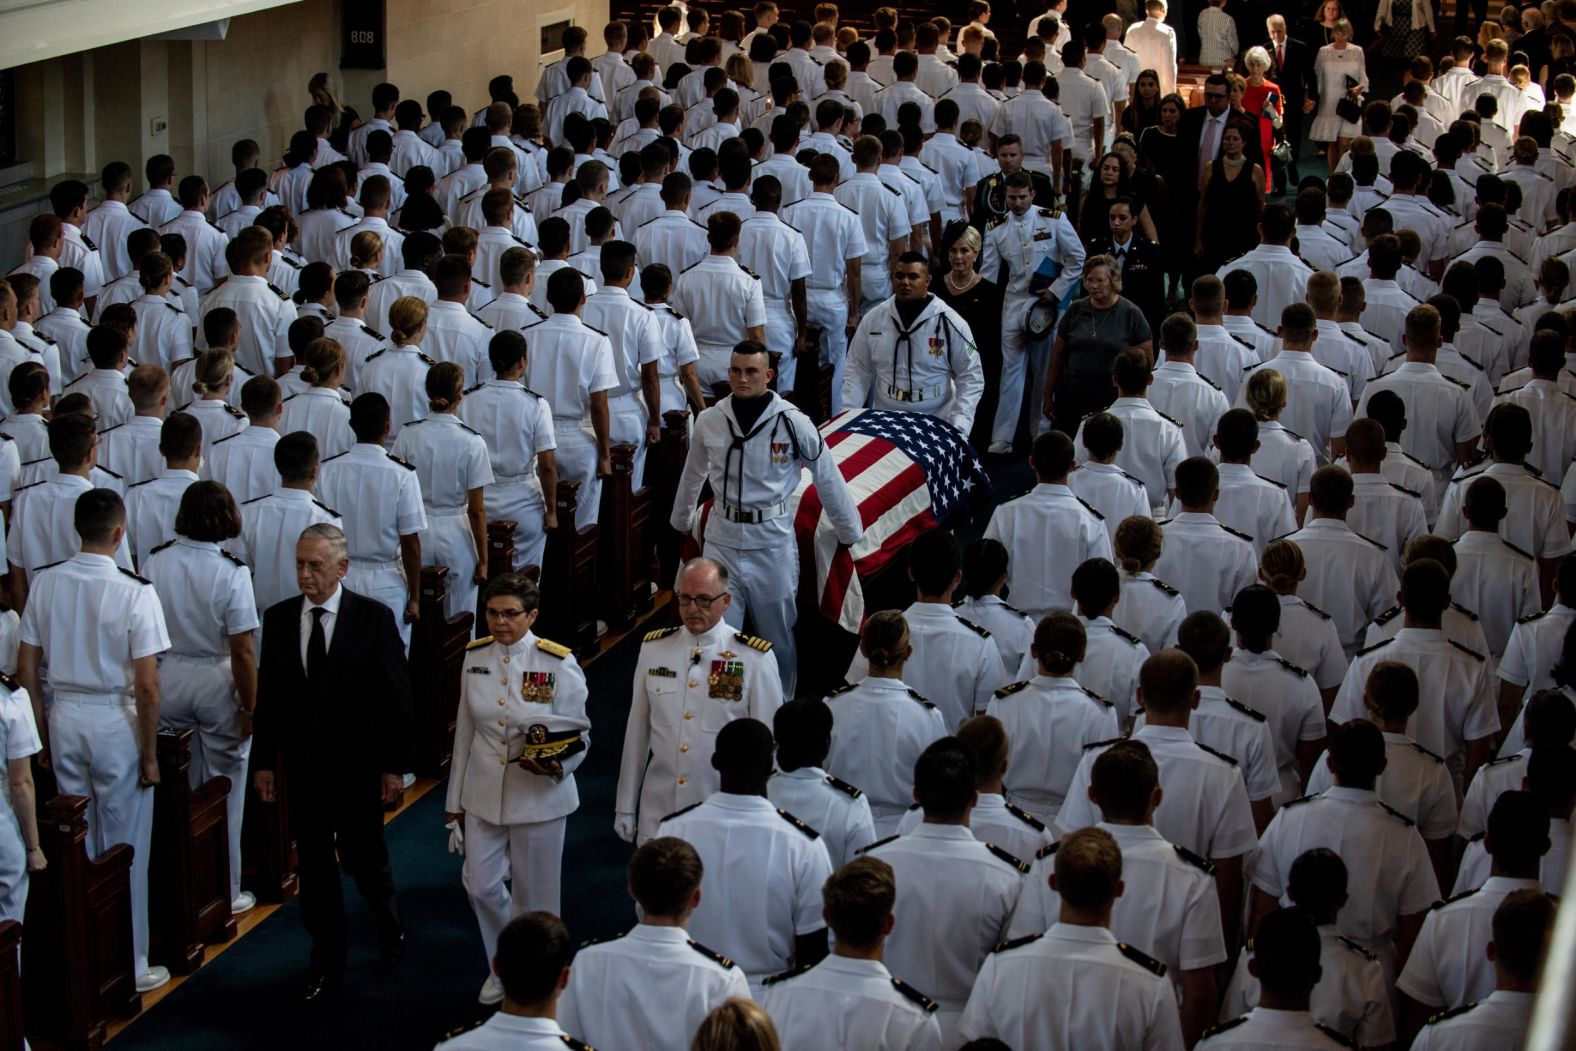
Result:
pixel 1553 413
pixel 1206 560
pixel 79 251
pixel 1050 720
pixel 18 740
pixel 243 462
pixel 944 379
pixel 1048 532
pixel 1240 732
pixel 399 373
pixel 721 299
pixel 324 413
pixel 164 333
pixel 1225 355
pixel 506 1032
pixel 954 164
pixel 1169 905
pixel 106 389
pixel 69 330
pixel 384 293
pixel 450 461
pixel 1351 997
pixel 1110 666
pixel 1149 610
pixel 456 335
pixel 265 314
pixel 270 529
pixel 1447 967
pixel 955 896
pixel 1264 1027
pixel 1010 628
pixel 217 417
pixel 43 530
pixel 1320 405
pixel 1196 403
pixel 616 982
pixel 636 340
pixel 1349 576
pixel 1530 656
pixel 205 245
pixel 676 713
pixel 381 496
pixel 883 218
pixel 830 805
pixel 1439 414
pixel 1111 491
pixel 393 242
pixel 753 475
pixel 1287 696
pixel 1251 504
pixel 1284 457
pixel 994 820
pixel 1022 244
pixel 1535 522
pixel 1282 279
pixel 1090 992
pixel 107 226
pixel 671 238
pixel 953 659
pixel 1386 513
pixel 1152 446
pixel 1206 805
pixel 879 728
pixel 514 819
pixel 93 736
pixel 206 596
pixel 569 362
pixel 517 425
pixel 1493 779
pixel 834 236
pixel 151 507
pixel 844 1002
pixel 778 253
pixel 1499 1020
pixel 1477 866
pixel 762 886
pixel 30 433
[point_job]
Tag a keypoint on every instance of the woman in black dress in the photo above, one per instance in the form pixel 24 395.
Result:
pixel 325 92
pixel 1230 196
pixel 979 303
pixel 1110 182
pixel 1171 160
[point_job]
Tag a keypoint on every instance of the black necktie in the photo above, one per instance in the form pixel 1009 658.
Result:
pixel 316 646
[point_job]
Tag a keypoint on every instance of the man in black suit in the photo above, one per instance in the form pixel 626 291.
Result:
pixel 1143 269
pixel 1202 129
pixel 1291 67
pixel 334 717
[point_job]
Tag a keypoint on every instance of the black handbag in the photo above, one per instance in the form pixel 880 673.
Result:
pixel 1348 109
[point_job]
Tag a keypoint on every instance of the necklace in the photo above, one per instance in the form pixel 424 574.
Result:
pixel 954 287
pixel 1100 314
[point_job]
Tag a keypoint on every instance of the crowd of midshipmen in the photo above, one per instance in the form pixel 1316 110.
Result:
pixel 1274 747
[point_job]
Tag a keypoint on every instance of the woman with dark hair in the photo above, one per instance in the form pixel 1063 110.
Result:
pixel 290 182
pixel 1168 156
pixel 1112 181
pixel 326 215
pixel 208 678
pixel 320 409
pixel 420 181
pixel 978 301
pixel 1144 111
pixel 984 580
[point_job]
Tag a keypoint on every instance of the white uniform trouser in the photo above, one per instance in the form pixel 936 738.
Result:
pixel 576 459
pixel 885 819
pixel 199 693
pixel 1018 355
pixel 828 307
pixel 93 743
pixel 779 340
pixel 447 541
pixel 13 868
pixel 385 582
pixel 626 425
pixel 875 281
pixel 713 364
pixel 764 583
pixel 529 856
pixel 518 500
pixel 671 394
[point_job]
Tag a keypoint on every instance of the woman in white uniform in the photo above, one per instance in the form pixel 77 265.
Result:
pixel 320 409
pixel 511 791
pixel 1149 607
pixel 452 464
pixel 208 677
pixel 399 372
pixel 20 853
pixel 211 379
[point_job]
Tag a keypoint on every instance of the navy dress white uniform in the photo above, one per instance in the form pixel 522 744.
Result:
pixel 754 474
pixel 994 820
pixel 1196 403
pixel 1288 697
pixel 322 412
pixel 1319 405
pixel 1022 243
pixel 883 218
pixel 1352 996
pixel 206 595
pixel 1459 624
pixel 830 805
pixel 506 1032
pixel 616 982
pixel 1110 666
pixel 1349 576
pixel 1386 513
pixel 879 728
pixel 93 620
pixel 1500 1020
pixel 1048 532
pixel 721 299
pixel 1225 354
pixel 1091 991
pixel 833 236
pixel 1253 504
pixel 1206 808
pixel 450 460
pixel 843 1002
pixel 1111 491
pixel 1232 728
pixel 955 896
pixel 1534 521
pixel 1049 721
pixel 687 688
pixel 569 362
pixel 400 375
pixel 382 499
pixel 150 511
pixel 18 740
pixel 954 660
pixel 1530 656
pixel 930 366
pixel 777 252
pixel 632 329
pixel 1497 579
pixel 1010 628
pixel 164 334
pixel 1284 457
pixel 1439 414
pixel 517 426
pixel 1152 446
pixel 762 885
pixel 106 389
pixel 265 314
pixel 1389 874
pixel 671 238
pixel 1447 967
pixel 1457 682
pixel 1206 560
pixel 1493 778
pixel 1265 1027
pixel 131 449
pixel 1150 610
pixel 243 463
pixel 514 819
pixel 270 528
pixel 218 418
pixel 42 529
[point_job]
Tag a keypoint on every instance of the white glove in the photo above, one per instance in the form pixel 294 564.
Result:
pixel 456 838
pixel 624 827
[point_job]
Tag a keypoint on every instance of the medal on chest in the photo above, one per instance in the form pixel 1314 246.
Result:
pixel 781 452
pixel 536 686
pixel 937 346
pixel 726 682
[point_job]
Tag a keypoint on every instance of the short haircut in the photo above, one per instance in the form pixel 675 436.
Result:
pixel 1425 589
pixel 1518 830
pixel 1131 370
pixel 1522 923
pixel 934 559
pixel 1484 505
pixel 858 898
pixel 1391 691
pixel 1122 780
pixel 259 396
pixel 1203 635
pixel 1102 435
pixel 180 436
pixel 27 383
pixel 1236 432
pixel 1330 490
pixel 220 327
pixel 533 951
pixel 565 290
pixel 1357 754
pixel 1168 680
pixel 1286 951
pixel 71 439
pixel 97 513
pixel 944 778
pixel 664 875
pixel 207 511
pixel 1088 868
pixel 1317 882
pixel 1053 454
pixel 803 732
pixel 106 345
pixel 296 456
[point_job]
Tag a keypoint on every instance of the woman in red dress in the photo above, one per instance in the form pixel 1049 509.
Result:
pixel 1261 98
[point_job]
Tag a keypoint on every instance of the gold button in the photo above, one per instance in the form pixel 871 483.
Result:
pixel 683 747
pixel 689 715
pixel 500 702
pixel 694 683
pixel 503 740
pixel 506 658
pixel 682 780
pixel 500 722
pixel 503 762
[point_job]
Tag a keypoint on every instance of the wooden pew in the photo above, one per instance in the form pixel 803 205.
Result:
pixel 500 550
pixel 437 650
pixel 268 847
pixel 626 554
pixel 10 986
pixel 664 465
pixel 77 959
pixel 189 881
pixel 569 577
pixel 812 381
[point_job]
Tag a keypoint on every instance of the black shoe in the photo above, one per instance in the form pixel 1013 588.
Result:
pixel 391 947
pixel 319 988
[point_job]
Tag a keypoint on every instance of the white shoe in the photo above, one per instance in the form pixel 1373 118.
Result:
pixel 601 628
pixel 245 902
pixel 1000 449
pixel 492 991
pixel 154 978
pixel 407 780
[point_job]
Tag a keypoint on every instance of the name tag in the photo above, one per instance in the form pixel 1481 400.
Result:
pixel 478 671
pixel 664 673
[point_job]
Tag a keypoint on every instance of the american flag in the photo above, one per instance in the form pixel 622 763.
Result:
pixel 907 471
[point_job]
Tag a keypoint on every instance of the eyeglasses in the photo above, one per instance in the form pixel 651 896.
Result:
pixel 1215 94
pixel 504 614
pixel 699 601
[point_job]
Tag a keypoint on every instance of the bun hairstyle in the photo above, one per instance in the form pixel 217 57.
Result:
pixel 1059 641
pixel 212 373
pixel 324 359
pixel 407 319
pixel 885 639
pixel 1138 543
pixel 1282 567
pixel 445 381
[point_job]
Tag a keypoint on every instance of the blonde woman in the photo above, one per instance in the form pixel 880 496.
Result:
pixel 1337 63
pixel 321 409
pixel 366 254
pixel 751 102
pixel 324 90
pixel 399 372
pixel 738 1025
pixel 1283 456
pixel 1307 636
pixel 211 379
pixel 453 467
pixel 1149 608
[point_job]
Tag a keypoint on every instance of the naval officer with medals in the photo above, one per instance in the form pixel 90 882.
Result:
pixel 521 733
